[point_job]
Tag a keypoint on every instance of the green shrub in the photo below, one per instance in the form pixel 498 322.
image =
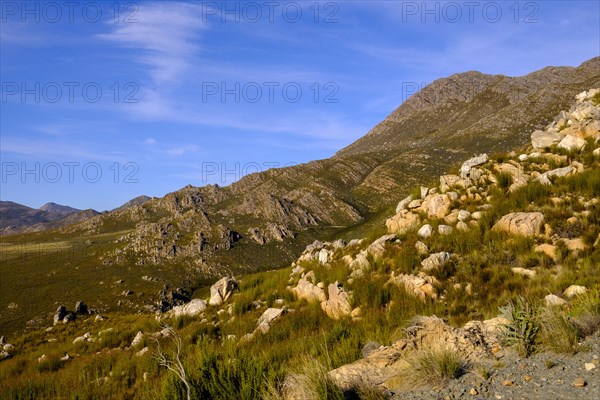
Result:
pixel 523 328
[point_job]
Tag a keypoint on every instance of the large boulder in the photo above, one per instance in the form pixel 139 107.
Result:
pixel 543 139
pixel 572 143
pixel 402 222
pixel 191 309
pixel 436 205
pixel 465 168
pixel 221 290
pixel 338 304
pixel 521 223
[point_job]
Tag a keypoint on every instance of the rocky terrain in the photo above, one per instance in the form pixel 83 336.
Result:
pixel 482 283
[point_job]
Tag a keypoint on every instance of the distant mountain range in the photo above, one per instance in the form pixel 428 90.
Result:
pixel 18 218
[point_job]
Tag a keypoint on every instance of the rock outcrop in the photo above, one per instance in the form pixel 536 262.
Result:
pixel 222 290
pixel 521 223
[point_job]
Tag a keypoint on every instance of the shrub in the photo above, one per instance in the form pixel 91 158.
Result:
pixel 523 328
pixel 558 333
pixel 431 367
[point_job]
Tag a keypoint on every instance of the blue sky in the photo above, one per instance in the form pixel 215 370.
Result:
pixel 103 103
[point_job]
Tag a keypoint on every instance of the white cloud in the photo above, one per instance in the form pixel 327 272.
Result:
pixel 165 35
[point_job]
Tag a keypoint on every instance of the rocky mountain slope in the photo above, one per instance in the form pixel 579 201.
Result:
pixel 197 234
pixel 447 121
pixel 483 284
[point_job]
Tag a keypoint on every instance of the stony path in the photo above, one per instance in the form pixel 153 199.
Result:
pixel 546 376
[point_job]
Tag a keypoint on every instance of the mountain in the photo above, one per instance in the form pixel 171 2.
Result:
pixel 17 218
pixel 57 209
pixel 139 200
pixel 242 225
pixel 187 239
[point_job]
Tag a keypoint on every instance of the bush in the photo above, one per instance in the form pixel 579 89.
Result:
pixel 523 328
pixel 431 367
pixel 558 333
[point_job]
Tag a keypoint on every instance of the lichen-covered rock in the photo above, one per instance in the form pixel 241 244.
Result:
pixel 421 285
pixel 338 303
pixel 191 309
pixel 308 291
pixel 402 222
pixel 543 139
pixel 436 205
pixel 436 261
pixel 465 168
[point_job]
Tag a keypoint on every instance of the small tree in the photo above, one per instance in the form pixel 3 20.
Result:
pixel 172 361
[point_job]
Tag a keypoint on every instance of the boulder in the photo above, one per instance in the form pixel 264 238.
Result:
pixel 338 304
pixel 403 204
pixel 449 181
pixel 421 285
pixel 360 262
pixel 425 231
pixel 325 256
pixel 191 309
pixel 137 340
pixel 553 300
pixel 377 248
pixel 544 178
pixel 572 143
pixel 462 226
pixel 402 222
pixel 81 308
pixel 445 230
pixel 436 260
pixel 308 291
pixel 576 244
pixel 436 205
pixel 222 290
pixel 529 273
pixel 61 313
pixel 521 223
pixel 463 215
pixel 267 318
pixel 574 290
pixel 465 169
pixel 422 248
pixel 378 369
pixel 548 249
pixel 543 139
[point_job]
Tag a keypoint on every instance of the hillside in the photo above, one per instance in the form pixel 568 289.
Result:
pixel 483 283
pixel 191 237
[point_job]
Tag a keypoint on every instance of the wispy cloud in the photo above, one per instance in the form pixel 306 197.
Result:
pixel 165 38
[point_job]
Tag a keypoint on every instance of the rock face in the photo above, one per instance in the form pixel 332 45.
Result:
pixel 221 290
pixel 475 340
pixel 191 309
pixel 338 304
pixel 521 223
